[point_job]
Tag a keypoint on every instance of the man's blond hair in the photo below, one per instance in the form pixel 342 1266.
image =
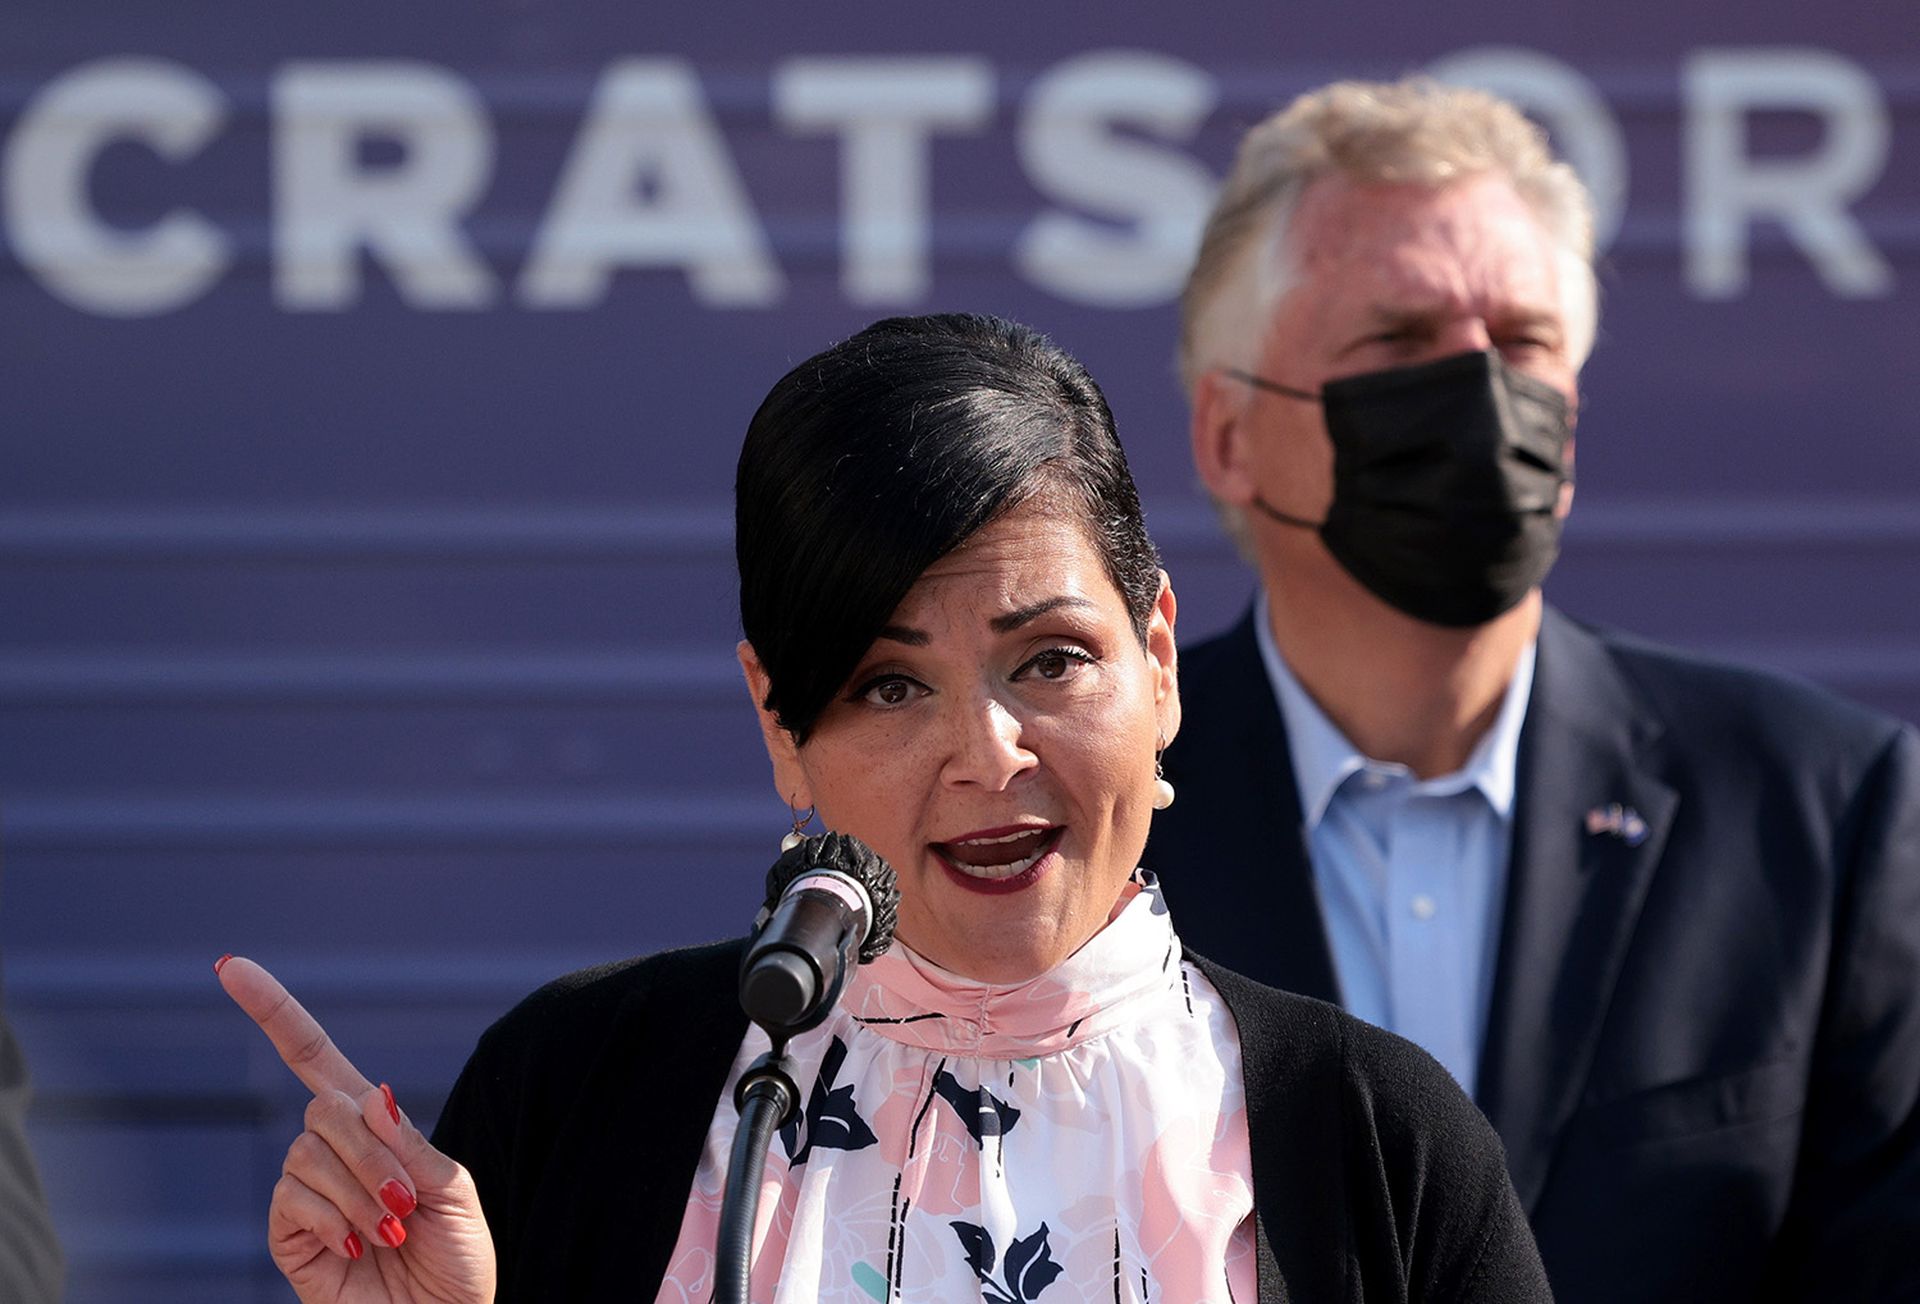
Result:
pixel 1414 131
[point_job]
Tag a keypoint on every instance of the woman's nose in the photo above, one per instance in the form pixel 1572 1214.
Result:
pixel 985 748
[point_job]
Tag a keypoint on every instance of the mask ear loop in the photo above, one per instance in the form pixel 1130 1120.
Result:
pixel 1273 387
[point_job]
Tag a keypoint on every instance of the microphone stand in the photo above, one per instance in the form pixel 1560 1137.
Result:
pixel 766 1098
pixel 827 897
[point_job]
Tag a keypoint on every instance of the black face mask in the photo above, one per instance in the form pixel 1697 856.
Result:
pixel 1446 477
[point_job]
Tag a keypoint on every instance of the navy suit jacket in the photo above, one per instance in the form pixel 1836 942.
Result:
pixel 30 1262
pixel 1703 1050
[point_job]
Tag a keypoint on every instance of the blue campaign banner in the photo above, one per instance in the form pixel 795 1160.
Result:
pixel 374 377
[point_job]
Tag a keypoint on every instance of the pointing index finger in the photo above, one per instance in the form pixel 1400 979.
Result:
pixel 303 1044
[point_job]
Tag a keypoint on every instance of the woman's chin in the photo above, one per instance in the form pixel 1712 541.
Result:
pixel 1000 937
pixel 1003 966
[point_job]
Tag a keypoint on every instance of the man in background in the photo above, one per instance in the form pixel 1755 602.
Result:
pixel 1660 917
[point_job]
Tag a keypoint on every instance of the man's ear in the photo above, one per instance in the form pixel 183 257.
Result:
pixel 789 776
pixel 1565 503
pixel 1164 658
pixel 1218 430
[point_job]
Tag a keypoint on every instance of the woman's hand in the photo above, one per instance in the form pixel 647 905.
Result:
pixel 365 1210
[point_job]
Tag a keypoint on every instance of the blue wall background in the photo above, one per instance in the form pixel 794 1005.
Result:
pixel 390 641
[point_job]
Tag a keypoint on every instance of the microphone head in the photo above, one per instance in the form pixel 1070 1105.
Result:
pixel 858 861
pixel 779 990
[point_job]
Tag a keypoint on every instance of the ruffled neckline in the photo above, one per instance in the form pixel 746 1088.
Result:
pixel 907 998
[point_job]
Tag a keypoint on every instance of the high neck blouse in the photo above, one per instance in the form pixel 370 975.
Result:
pixel 1078 1136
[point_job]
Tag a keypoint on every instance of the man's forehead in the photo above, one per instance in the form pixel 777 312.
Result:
pixel 1389 246
pixel 1339 217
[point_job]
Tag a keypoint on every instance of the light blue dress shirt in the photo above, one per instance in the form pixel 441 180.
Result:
pixel 1411 874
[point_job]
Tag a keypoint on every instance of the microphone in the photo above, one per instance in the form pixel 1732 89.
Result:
pixel 829 898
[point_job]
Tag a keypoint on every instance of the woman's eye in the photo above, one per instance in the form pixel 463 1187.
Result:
pixel 1055 663
pixel 892 690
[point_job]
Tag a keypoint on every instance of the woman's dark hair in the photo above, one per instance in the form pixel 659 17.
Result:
pixel 872 460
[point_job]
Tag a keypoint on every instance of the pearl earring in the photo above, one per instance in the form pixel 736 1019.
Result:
pixel 1162 788
pixel 798 834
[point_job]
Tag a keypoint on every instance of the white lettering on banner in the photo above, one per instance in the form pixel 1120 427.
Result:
pixel 650 183
pixel 1160 195
pixel 1808 196
pixel 328 207
pixel 886 110
pixel 51 223
pixel 1584 130
pixel 650 180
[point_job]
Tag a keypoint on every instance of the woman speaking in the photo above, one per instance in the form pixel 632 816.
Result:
pixel 960 646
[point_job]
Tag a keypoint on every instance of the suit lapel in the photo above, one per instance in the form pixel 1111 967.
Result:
pixel 1268 926
pixel 1573 894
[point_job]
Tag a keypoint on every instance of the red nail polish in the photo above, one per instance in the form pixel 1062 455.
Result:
pixel 393 1106
pixel 398 1199
pixel 392 1232
pixel 221 963
pixel 353 1247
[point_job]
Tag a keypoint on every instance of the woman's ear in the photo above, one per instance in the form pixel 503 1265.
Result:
pixel 789 776
pixel 1164 658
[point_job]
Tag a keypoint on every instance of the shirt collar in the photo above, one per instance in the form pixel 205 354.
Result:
pixel 1323 758
pixel 905 997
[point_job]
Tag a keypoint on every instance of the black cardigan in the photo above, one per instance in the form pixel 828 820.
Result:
pixel 582 1114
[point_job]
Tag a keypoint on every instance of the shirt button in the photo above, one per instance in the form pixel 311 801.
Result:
pixel 1423 906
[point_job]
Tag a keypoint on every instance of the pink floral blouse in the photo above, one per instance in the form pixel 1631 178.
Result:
pixel 1081 1136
